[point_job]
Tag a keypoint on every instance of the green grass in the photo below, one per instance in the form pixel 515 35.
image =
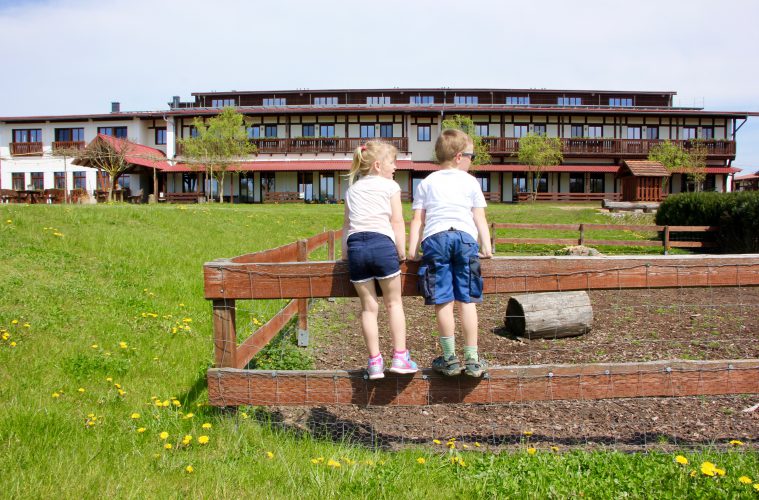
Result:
pixel 102 299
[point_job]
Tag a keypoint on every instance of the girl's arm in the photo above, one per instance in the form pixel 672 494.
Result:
pixel 483 232
pixel 344 247
pixel 415 233
pixel 398 224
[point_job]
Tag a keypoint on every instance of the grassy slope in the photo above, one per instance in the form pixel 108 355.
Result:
pixel 90 285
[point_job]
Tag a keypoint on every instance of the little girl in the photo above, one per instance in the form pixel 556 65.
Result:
pixel 374 241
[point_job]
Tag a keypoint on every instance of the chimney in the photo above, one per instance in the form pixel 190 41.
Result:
pixel 175 101
pixel 115 107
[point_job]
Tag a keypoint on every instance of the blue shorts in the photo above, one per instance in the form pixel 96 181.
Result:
pixel 450 268
pixel 372 256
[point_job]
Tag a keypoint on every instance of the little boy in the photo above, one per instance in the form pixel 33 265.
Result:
pixel 449 219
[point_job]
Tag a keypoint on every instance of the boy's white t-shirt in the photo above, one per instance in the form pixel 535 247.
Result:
pixel 448 197
pixel 368 204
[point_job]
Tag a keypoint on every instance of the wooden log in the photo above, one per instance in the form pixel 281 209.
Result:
pixel 550 315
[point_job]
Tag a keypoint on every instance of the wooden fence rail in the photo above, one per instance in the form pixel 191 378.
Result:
pixel 666 241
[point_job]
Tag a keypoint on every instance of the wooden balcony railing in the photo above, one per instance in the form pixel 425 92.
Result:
pixel 26 148
pixel 61 146
pixel 318 144
pixel 613 147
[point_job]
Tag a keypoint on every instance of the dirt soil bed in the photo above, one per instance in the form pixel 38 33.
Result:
pixel 628 325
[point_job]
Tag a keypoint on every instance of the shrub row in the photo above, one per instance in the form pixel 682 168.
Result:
pixel 736 214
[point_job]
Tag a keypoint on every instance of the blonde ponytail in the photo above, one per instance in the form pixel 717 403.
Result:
pixel 365 156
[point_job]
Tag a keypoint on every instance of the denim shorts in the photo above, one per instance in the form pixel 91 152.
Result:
pixel 450 268
pixel 372 256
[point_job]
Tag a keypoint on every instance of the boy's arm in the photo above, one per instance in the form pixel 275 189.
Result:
pixel 398 224
pixel 483 232
pixel 415 233
pixel 344 247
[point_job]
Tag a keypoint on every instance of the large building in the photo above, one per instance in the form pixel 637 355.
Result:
pixel 305 140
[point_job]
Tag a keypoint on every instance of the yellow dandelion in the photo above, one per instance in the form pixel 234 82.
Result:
pixel 692 473
pixel 189 469
pixel 369 462
pixel 477 445
pixel 12 344
pixel 719 472
pixel 735 442
pixel 164 435
pixel 109 379
pixel 188 416
pixel 745 480
pixel 531 451
pixel 176 402
pixel 206 425
pixel 243 415
pixel 123 345
pixel 94 346
pixel 122 392
pixel 187 320
pixel 9 221
pixel 756 486
pixel 181 304
pixel 186 440
pixel 451 445
pixel 681 460
pixel 203 440
pixel 465 446
pixel 27 325
pixel 269 455
pixel 436 441
pixel 14 322
pixel 527 433
pixel 135 416
pixel 708 469
pixel 332 463
pixel 174 329
pixel 167 446
pixel 554 448
pixel 91 423
pixel 6 336
pixel 81 389
pixel 56 395
pixel 157 403
pixel 165 404
pixel 117 386
pixel 140 430
pixel 421 460
pixel 314 461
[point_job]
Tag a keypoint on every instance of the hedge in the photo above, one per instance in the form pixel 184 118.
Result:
pixel 736 214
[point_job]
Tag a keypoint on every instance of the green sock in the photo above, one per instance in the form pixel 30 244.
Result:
pixel 449 346
pixel 470 353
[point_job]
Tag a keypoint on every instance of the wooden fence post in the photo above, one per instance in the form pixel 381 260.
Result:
pixel 331 246
pixel 582 234
pixel 666 240
pixel 302 303
pixel 492 237
pixel 225 336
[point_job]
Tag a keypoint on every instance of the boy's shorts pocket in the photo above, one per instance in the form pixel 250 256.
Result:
pixel 475 278
pixel 426 283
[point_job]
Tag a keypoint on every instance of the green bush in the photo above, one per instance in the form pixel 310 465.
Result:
pixel 736 214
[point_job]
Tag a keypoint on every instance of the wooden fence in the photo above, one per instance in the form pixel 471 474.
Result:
pixel 665 235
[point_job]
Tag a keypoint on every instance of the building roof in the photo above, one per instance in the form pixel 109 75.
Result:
pixel 432 89
pixel 645 168
pixel 136 154
pixel 747 177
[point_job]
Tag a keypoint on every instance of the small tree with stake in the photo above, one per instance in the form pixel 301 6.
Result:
pixel 110 156
pixel 538 152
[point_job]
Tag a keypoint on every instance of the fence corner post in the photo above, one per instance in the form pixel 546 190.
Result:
pixel 331 245
pixel 224 333
pixel 303 303
pixel 666 240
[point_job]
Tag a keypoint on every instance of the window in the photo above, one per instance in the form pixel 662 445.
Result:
pixel 597 183
pixel 38 180
pixel 482 129
pixel 633 133
pixel 423 133
pixel 120 132
pixel 189 182
pixel 595 131
pixel 327 186
pixel 577 131
pixel 620 101
pixel 17 180
pixel 483 178
pixel 576 182
pixel 422 99
pixel 103 180
pixel 220 103
pixel 306 185
pixel 707 132
pixel 247 187
pixel 193 131
pixel 570 101
pixel 518 100
pixel 521 130
pixel 309 131
pixel 160 135
pixel 325 101
pixel 27 135
pixel 688 133
pixel 519 183
pixel 80 180
pixel 386 130
pixel 466 99
pixel 326 131
pixel 267 183
pixel 542 182
pixel 276 101
pixel 270 131
pixel 69 134
pixel 539 129
pixel 254 132
pixel 59 180
pixel 374 100
pixel 652 133
pixel 124 181
pixel 367 131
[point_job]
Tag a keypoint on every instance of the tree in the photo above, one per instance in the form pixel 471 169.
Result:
pixel 538 151
pixel 109 154
pixel 697 164
pixel 677 159
pixel 218 144
pixel 466 125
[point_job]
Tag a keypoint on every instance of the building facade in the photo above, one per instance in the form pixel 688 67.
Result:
pixel 305 140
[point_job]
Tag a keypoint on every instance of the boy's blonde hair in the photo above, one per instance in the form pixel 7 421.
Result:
pixel 365 156
pixel 450 143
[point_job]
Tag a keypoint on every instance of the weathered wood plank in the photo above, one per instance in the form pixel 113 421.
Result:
pixel 231 387
pixel 263 335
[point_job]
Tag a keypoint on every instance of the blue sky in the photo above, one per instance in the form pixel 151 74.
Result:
pixel 76 56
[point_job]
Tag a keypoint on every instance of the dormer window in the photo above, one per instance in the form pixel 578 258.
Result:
pixel 325 101
pixel 620 101
pixel 375 100
pixel 570 101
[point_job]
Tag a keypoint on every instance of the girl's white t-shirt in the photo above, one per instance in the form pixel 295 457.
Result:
pixel 368 204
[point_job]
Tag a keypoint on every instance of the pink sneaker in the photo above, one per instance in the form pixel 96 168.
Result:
pixel 403 364
pixel 376 368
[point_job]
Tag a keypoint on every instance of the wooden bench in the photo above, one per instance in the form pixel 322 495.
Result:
pixel 282 197
pixel 8 196
pixel 182 197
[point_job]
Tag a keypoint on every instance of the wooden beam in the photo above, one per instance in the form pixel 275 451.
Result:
pixel 232 387
pixel 225 336
pixel 231 280
pixel 258 340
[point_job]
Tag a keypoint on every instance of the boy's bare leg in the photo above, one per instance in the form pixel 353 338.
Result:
pixel 391 295
pixel 469 324
pixel 369 310
pixel 446 324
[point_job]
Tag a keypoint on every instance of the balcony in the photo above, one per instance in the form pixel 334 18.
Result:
pixel 622 148
pixel 318 145
pixel 67 146
pixel 26 148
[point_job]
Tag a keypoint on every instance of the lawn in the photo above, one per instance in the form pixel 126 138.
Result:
pixel 108 341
